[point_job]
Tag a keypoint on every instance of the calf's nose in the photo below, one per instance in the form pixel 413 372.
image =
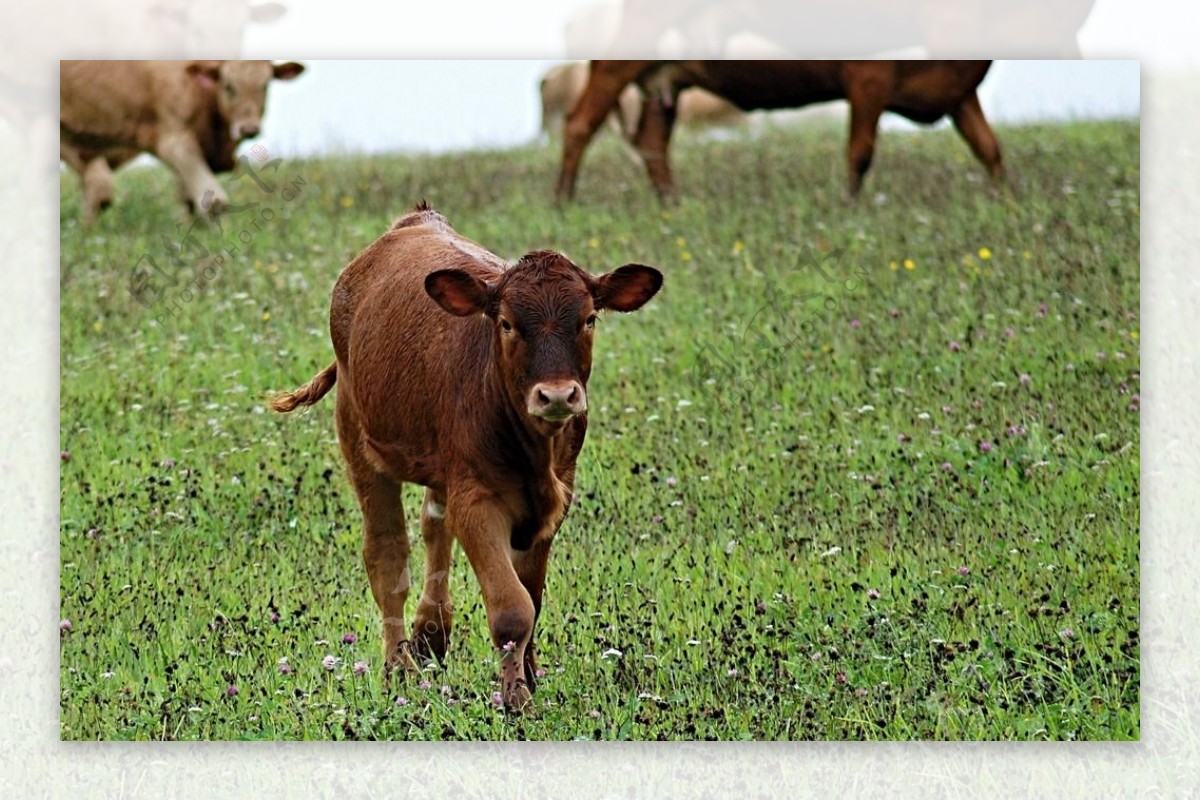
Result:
pixel 557 400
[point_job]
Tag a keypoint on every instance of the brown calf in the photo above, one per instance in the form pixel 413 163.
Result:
pixel 467 375
pixel 923 91
pixel 190 114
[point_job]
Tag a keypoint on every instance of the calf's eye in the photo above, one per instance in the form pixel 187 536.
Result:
pixel 505 326
pixel 591 321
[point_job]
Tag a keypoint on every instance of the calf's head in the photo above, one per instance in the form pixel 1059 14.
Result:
pixel 241 90
pixel 544 313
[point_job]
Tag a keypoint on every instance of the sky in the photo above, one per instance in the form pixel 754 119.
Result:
pixel 439 106
pixel 489 98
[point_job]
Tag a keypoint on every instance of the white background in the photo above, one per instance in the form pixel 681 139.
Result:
pixel 34 763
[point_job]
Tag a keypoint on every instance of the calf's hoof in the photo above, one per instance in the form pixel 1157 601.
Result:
pixel 430 646
pixel 518 697
pixel 400 660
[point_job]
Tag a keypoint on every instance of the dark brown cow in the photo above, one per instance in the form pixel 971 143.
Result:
pixel 923 91
pixel 467 375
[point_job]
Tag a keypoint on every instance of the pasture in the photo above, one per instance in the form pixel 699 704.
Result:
pixel 861 471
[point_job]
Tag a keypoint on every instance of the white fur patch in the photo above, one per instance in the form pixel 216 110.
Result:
pixel 435 510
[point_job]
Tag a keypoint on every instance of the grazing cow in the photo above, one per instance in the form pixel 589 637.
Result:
pixel 190 114
pixel 467 375
pixel 923 91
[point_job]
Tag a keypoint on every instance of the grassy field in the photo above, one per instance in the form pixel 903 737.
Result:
pixel 860 471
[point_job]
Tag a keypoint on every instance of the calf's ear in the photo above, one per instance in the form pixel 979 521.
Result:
pixel 458 293
pixel 627 288
pixel 287 70
pixel 204 73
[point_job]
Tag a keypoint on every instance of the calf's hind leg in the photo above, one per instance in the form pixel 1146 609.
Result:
pixel 385 554
pixel 435 613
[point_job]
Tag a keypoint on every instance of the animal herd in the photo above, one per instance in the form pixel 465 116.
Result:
pixel 192 115
pixel 456 370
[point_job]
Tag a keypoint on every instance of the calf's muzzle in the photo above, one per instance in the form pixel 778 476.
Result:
pixel 556 401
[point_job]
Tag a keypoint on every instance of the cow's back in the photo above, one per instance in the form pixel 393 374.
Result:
pixel 123 103
pixel 922 90
pixel 401 358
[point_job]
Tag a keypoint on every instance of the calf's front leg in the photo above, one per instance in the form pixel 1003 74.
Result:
pixel 531 570
pixel 484 529
pixel 435 613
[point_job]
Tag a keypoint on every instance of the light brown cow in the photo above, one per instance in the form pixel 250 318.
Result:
pixel 923 91
pixel 190 114
pixel 467 375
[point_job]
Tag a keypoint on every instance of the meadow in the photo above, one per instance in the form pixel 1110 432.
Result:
pixel 860 471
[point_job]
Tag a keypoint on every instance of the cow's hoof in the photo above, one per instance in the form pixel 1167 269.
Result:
pixel 430 647
pixel 518 697
pixel 399 661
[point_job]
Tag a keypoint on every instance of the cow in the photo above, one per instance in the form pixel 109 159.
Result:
pixel 190 114
pixel 563 85
pixel 138 29
pixel 467 375
pixel 922 91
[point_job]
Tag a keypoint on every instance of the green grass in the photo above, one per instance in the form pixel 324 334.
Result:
pixel 836 556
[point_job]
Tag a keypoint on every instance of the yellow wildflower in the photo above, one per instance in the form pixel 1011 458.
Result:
pixel 266 317
pixel 985 254
pixel 347 202
pixel 894 265
pixel 909 264
pixel 594 242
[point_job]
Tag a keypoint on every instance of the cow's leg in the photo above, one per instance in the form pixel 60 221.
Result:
pixel 385 542
pixel 435 613
pixel 385 554
pixel 181 152
pixel 654 135
pixel 531 570
pixel 76 161
pixel 98 183
pixel 866 106
pixel 484 531
pixel 970 122
pixel 598 99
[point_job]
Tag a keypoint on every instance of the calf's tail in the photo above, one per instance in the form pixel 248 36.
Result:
pixel 308 394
